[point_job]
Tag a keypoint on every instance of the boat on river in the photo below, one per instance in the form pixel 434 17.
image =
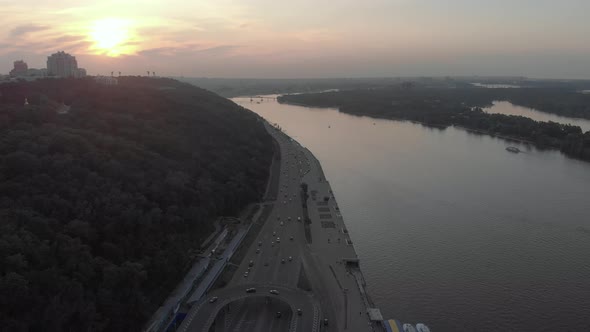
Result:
pixel 422 328
pixel 513 149
pixel 409 328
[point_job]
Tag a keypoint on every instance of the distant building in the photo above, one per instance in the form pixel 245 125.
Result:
pixel 106 80
pixel 20 68
pixel 62 64
pixel 35 73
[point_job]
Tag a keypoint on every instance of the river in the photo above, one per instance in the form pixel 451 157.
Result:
pixel 504 107
pixel 451 229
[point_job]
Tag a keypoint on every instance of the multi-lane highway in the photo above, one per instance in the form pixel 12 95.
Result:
pixel 316 275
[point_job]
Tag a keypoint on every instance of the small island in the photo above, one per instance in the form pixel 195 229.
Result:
pixel 440 107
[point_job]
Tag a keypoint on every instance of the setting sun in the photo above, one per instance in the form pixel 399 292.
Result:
pixel 111 36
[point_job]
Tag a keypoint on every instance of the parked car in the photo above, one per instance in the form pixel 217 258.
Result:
pixel 251 290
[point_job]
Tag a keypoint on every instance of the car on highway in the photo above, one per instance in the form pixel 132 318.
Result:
pixel 299 219
pixel 278 314
pixel 326 321
pixel 257 250
pixel 251 290
pixel 274 292
pixel 282 223
pixel 259 243
pixel 213 299
pixel 283 261
pixel 289 218
pixel 251 263
pixel 291 238
pixel 299 312
pixel 290 258
pixel 245 274
pixel 278 240
pixel 274 233
pixel 272 244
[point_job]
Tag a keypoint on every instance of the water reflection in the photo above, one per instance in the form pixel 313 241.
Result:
pixel 504 107
pixel 452 229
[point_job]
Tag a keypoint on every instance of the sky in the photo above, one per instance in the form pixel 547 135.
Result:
pixel 303 38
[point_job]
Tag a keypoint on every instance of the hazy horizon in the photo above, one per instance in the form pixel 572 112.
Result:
pixel 304 39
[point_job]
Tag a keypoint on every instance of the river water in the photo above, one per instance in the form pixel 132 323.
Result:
pixel 508 108
pixel 451 229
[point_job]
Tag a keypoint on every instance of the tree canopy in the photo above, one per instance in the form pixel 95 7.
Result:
pixel 101 207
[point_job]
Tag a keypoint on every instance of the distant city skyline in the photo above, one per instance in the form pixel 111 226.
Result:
pixel 303 39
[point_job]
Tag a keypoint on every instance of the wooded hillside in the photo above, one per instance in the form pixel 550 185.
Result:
pixel 101 208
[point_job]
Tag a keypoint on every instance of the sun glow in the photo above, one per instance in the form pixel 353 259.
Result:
pixel 111 37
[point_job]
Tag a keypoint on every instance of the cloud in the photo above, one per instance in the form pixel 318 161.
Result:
pixel 157 51
pixel 218 50
pixel 79 46
pixel 27 28
pixel 69 38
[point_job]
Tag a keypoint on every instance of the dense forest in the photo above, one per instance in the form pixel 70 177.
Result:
pixel 107 191
pixel 462 107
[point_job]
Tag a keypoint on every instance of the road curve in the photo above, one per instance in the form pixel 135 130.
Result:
pixel 203 313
